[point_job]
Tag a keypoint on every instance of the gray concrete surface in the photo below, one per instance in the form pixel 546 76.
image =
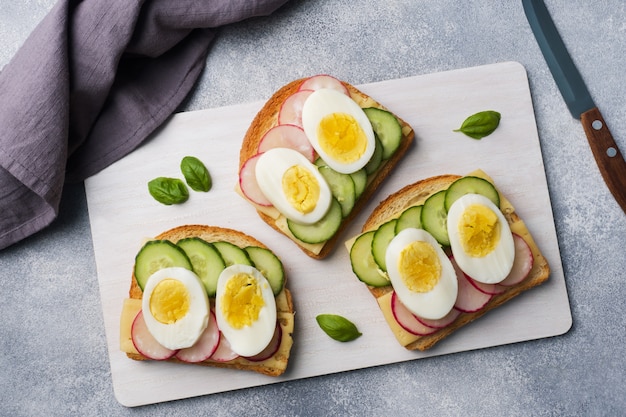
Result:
pixel 53 358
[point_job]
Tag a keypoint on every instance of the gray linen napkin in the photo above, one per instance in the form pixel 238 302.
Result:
pixel 91 82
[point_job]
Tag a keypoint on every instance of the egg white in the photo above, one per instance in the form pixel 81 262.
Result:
pixel 326 101
pixel 249 340
pixel 496 265
pixel 435 303
pixel 184 332
pixel 269 172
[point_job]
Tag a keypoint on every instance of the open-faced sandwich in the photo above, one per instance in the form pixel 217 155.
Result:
pixel 442 252
pixel 314 154
pixel 210 296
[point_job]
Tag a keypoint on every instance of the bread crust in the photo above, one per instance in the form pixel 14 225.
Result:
pixel 416 193
pixel 267 118
pixel 285 314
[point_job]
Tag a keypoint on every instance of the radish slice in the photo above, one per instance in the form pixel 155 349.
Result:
pixel 469 299
pixel 324 81
pixel 291 111
pixel 407 320
pixel 145 343
pixel 248 183
pixel 223 353
pixel 205 346
pixel 287 136
pixel 491 289
pixel 522 264
pixel 442 322
pixel 271 348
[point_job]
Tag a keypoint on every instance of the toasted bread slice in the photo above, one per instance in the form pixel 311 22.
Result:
pixel 267 118
pixel 415 194
pixel 274 366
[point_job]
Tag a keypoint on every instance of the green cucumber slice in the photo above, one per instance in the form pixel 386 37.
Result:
pixel 387 128
pixel 376 159
pixel 320 231
pixel 206 261
pixel 360 182
pixel 434 217
pixel 232 254
pixel 471 185
pixel 155 255
pixel 363 264
pixel 411 217
pixel 380 241
pixel 269 265
pixel 341 187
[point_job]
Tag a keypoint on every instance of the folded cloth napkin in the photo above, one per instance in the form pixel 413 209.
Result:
pixel 90 83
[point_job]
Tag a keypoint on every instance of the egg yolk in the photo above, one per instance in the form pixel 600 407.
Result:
pixel 242 300
pixel 479 230
pixel 419 266
pixel 169 301
pixel 301 188
pixel 341 137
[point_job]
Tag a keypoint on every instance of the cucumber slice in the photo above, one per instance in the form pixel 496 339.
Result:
pixel 387 128
pixel 376 159
pixel 471 185
pixel 434 217
pixel 411 217
pixel 341 187
pixel 206 261
pixel 380 241
pixel 269 265
pixel 232 254
pixel 155 255
pixel 320 231
pixel 363 264
pixel 360 182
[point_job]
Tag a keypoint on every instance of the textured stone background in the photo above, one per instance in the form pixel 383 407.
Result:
pixel 53 357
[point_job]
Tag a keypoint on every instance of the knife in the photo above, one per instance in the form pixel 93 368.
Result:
pixel 579 102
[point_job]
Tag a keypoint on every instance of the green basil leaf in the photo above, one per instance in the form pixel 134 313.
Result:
pixel 337 327
pixel 481 124
pixel 196 174
pixel 168 191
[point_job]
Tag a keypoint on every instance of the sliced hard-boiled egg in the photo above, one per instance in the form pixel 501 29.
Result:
pixel 480 239
pixel 421 274
pixel 293 185
pixel 338 129
pixel 175 307
pixel 245 309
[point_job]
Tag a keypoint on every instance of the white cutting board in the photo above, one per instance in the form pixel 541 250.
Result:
pixel 122 214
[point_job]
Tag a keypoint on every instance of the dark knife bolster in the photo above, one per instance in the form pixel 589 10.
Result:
pixel 608 156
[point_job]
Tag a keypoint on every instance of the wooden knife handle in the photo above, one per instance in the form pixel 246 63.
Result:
pixel 608 156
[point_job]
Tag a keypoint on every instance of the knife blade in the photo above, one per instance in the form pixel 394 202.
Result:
pixel 608 157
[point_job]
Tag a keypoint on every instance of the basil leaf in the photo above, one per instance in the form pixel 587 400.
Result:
pixel 168 191
pixel 481 124
pixel 196 174
pixel 337 327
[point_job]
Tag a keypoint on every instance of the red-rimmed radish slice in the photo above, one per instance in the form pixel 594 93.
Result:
pixel 522 264
pixel 287 136
pixel 469 299
pixel 324 81
pixel 271 348
pixel 407 320
pixel 145 343
pixel 291 110
pixel 248 183
pixel 224 353
pixel 442 322
pixel 205 346
pixel 491 289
